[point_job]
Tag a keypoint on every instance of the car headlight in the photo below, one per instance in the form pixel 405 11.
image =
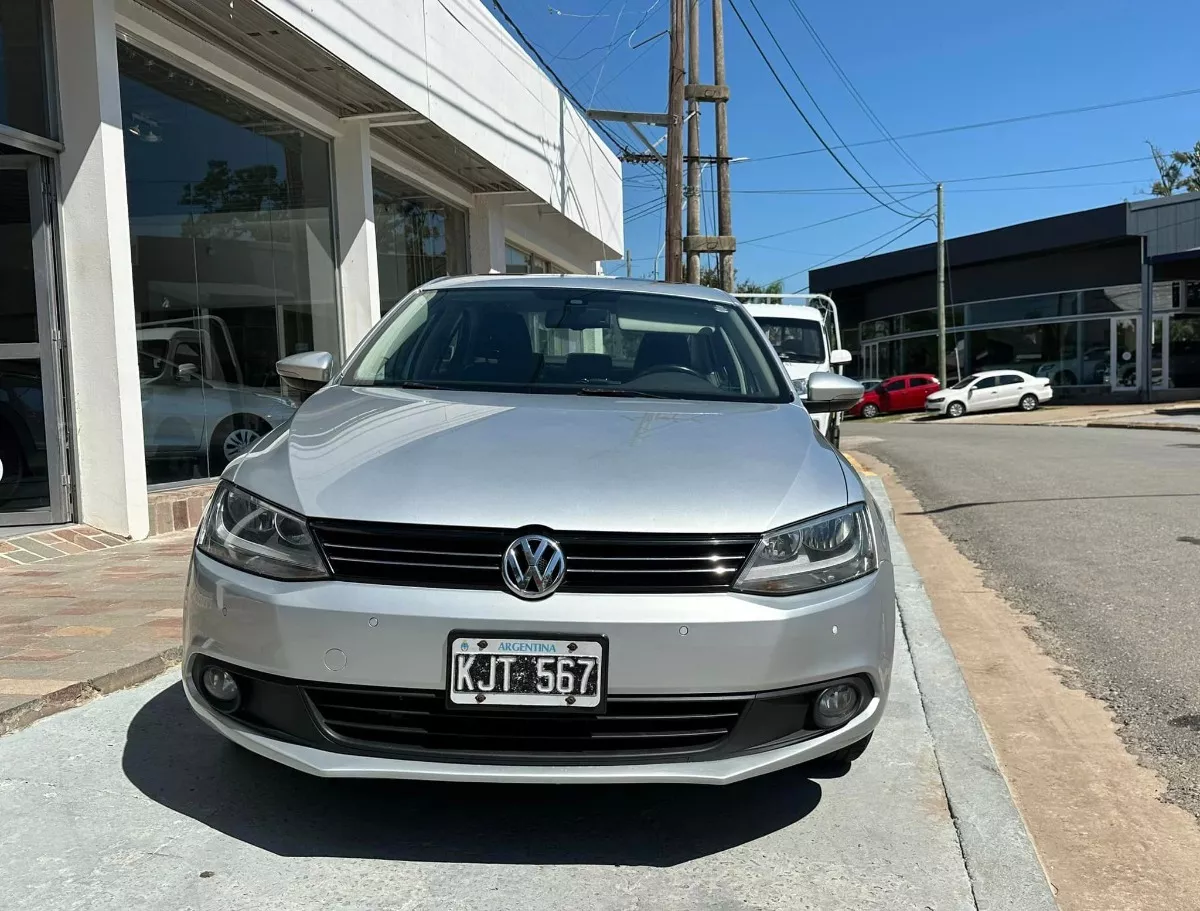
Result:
pixel 249 534
pixel 828 550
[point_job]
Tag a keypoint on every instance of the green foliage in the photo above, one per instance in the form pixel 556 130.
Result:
pixel 710 277
pixel 1173 171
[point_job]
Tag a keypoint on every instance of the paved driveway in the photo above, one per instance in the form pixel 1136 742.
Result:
pixel 129 803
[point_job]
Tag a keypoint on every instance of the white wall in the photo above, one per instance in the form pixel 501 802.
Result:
pixel 454 63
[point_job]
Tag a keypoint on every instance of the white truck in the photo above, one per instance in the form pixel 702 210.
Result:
pixel 804 330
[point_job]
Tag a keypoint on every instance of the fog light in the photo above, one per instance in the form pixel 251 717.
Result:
pixel 220 685
pixel 835 705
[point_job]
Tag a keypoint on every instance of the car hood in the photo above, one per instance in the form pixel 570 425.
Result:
pixel 567 463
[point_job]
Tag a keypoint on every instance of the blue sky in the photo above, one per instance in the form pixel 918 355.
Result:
pixel 921 65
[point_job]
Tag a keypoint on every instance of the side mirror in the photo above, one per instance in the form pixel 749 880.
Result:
pixel 839 356
pixel 830 392
pixel 303 374
pixel 186 372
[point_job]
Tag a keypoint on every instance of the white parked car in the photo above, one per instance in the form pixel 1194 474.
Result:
pixel 991 390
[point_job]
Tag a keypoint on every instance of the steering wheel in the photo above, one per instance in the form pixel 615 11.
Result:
pixel 671 368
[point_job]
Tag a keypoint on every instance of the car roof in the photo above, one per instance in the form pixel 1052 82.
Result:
pixel 905 376
pixel 784 311
pixel 982 373
pixel 576 282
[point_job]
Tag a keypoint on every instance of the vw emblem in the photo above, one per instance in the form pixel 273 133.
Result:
pixel 534 567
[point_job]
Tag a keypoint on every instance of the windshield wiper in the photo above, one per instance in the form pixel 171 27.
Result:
pixel 619 392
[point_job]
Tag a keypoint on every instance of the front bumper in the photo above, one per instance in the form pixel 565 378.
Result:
pixel 659 645
pixel 936 407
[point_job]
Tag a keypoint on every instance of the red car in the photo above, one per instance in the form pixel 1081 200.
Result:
pixel 899 393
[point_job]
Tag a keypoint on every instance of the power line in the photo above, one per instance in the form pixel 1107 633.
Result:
pixel 829 221
pixel 853 191
pixel 992 123
pixel 583 28
pixel 854 92
pixel 913 224
pixel 804 116
pixel 816 104
pixel 612 137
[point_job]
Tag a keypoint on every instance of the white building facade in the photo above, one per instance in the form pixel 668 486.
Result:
pixel 192 189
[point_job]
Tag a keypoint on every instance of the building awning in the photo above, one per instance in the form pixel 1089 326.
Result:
pixel 251 31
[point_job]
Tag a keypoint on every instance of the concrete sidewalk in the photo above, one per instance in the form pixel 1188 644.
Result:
pixel 76 626
pixel 1183 416
pixel 130 802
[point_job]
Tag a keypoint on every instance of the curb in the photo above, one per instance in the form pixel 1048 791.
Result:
pixel 1134 425
pixel 23 715
pixel 1001 861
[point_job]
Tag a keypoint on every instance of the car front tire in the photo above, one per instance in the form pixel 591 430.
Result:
pixel 869 411
pixel 234 436
pixel 956 409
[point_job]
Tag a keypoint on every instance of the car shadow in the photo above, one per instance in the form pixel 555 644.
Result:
pixel 177 761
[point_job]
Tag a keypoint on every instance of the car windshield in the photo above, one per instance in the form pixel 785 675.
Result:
pixel 799 340
pixel 965 382
pixel 561 340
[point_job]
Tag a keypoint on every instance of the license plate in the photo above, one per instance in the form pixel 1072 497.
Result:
pixel 490 670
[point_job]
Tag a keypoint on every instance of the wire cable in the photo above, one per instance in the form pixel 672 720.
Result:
pixel 914 223
pixel 855 93
pixel 1023 118
pixel 600 125
pixel 804 116
pixel 816 104
pixel 827 221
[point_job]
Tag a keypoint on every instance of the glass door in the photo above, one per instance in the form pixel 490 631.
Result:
pixel 1124 369
pixel 869 368
pixel 32 467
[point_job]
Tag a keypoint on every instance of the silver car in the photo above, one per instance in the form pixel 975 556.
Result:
pixel 545 529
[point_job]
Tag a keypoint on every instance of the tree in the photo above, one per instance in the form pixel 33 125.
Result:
pixel 1171 171
pixel 710 277
pixel 235 204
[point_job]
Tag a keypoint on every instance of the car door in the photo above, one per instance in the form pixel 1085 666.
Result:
pixel 891 395
pixel 982 396
pixel 1009 389
pixel 919 388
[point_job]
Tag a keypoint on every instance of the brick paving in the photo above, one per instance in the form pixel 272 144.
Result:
pixel 36 547
pixel 75 625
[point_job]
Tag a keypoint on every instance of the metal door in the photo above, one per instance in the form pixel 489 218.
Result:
pixel 34 484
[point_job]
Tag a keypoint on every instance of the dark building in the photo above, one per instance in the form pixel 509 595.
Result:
pixel 1105 302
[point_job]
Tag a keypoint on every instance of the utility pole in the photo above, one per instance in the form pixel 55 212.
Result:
pixel 724 208
pixel 694 180
pixel 628 265
pixel 941 284
pixel 674 251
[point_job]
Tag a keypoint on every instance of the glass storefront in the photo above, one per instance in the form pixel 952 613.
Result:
pixel 23 86
pixel 231 229
pixel 521 262
pixel 417 238
pixel 1093 343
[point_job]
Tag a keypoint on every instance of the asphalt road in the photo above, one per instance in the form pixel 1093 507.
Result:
pixel 1097 533
pixel 130 803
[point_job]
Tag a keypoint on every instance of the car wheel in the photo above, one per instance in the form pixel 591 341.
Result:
pixel 234 436
pixel 956 409
pixel 1028 402
pixel 852 752
pixel 869 410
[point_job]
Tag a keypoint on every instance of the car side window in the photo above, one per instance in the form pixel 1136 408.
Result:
pixel 986 383
pixel 918 381
pixel 893 386
pixel 1010 379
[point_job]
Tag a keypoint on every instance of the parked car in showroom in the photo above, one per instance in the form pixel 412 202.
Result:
pixel 897 393
pixel 188 410
pixel 991 390
pixel 512 540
